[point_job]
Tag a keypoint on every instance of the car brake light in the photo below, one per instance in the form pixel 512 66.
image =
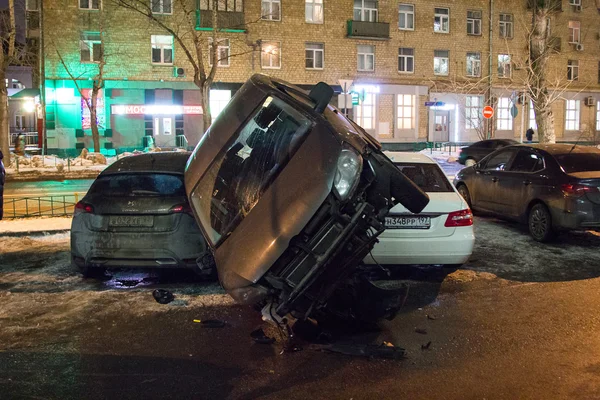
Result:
pixel 84 207
pixel 459 218
pixel 181 208
pixel 576 190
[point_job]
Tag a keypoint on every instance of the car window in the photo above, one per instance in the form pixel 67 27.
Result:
pixel 486 144
pixel 578 162
pixel 428 177
pixel 132 184
pixel 499 161
pixel 527 161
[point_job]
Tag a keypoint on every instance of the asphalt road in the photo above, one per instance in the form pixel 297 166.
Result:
pixel 519 320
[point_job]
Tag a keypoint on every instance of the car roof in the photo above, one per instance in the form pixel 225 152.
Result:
pixel 399 156
pixel 561 148
pixel 172 162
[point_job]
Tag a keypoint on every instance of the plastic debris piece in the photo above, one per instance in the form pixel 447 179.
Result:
pixel 388 344
pixel 421 331
pixel 197 320
pixel 426 346
pixel 213 323
pixel 163 296
pixel 431 317
pixel 260 337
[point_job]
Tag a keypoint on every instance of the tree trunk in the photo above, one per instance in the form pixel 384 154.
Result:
pixel 94 120
pixel 539 53
pixel 4 120
pixel 206 116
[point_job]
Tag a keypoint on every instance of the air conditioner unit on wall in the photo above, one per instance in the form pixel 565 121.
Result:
pixel 590 101
pixel 178 72
pixel 579 47
pixel 578 8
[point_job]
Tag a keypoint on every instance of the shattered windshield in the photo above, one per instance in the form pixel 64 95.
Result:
pixel 243 170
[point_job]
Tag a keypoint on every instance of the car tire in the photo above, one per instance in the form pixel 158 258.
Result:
pixel 464 192
pixel 470 162
pixel 540 223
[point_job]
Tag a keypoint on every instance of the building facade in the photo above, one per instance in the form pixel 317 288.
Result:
pixel 419 70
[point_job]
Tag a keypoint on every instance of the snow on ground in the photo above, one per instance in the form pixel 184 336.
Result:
pixel 30 225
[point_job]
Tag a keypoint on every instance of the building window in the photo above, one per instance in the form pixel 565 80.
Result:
pixel 161 7
pixel 572 115
pixel 90 47
pixel 19 122
pixel 575 2
pixel 572 70
pixel 162 49
pixel 406 111
pixel 32 5
pixel 229 5
pixel 598 71
pixel 574 31
pixel 441 62
pixel 441 20
pixel 315 55
pixel 532 121
pixel 504 121
pixel 406 17
pixel 473 112
pixel 271 10
pixel 406 60
pixel 366 58
pixel 365 10
pixel 473 22
pixel 365 112
pixel 89 4
pixel 598 116
pixel 506 26
pixel 504 66
pixel 474 64
pixel 313 10
pixel 270 55
pixel 223 52
pixel 218 101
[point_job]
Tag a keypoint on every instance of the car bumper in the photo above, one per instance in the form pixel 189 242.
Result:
pixel 580 216
pixel 454 249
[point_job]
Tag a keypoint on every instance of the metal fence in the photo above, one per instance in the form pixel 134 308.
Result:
pixel 42 206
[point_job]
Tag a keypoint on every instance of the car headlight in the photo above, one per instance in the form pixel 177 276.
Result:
pixel 349 167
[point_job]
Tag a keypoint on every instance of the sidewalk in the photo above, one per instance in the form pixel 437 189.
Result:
pixel 34 226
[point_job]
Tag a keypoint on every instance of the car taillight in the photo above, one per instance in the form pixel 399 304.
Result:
pixel 459 218
pixel 84 207
pixel 576 190
pixel 181 208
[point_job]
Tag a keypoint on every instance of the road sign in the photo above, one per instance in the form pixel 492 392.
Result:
pixel 434 103
pixel 345 84
pixel 488 112
pixel 354 98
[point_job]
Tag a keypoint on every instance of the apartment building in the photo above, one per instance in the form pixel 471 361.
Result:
pixel 418 70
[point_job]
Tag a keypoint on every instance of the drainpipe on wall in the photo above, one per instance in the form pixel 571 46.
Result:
pixel 490 69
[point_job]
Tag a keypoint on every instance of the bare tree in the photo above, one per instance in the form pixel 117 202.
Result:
pixel 8 56
pixel 192 41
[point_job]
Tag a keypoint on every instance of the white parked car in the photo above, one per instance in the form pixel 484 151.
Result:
pixel 442 234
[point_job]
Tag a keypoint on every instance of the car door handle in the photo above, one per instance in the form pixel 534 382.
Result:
pixel 526 183
pixel 494 179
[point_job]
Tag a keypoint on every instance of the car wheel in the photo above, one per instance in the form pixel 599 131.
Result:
pixel 470 162
pixel 540 223
pixel 464 192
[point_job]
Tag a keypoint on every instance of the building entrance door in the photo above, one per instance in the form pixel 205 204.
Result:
pixel 441 126
pixel 164 131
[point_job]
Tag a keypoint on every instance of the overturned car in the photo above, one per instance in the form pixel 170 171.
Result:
pixel 291 196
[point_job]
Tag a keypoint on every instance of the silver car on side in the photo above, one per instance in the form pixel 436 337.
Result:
pixel 136 214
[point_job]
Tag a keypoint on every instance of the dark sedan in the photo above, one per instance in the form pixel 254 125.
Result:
pixel 551 187
pixel 2 180
pixel 136 214
pixel 477 151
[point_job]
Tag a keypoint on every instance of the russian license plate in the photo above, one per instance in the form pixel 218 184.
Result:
pixel 131 220
pixel 407 222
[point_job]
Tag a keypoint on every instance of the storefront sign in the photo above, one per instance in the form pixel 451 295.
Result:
pixel 154 109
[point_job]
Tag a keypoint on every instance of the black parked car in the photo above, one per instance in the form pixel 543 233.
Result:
pixel 551 187
pixel 136 215
pixel 2 180
pixel 477 151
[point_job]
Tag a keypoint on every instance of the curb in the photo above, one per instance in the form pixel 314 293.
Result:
pixel 34 233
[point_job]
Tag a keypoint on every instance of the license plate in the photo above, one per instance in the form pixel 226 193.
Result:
pixel 131 220
pixel 406 222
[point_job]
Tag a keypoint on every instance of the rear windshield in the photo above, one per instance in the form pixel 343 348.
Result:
pixel 120 185
pixel 429 177
pixel 578 162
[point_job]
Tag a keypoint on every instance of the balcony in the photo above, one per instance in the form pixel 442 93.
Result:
pixel 226 20
pixel 368 30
